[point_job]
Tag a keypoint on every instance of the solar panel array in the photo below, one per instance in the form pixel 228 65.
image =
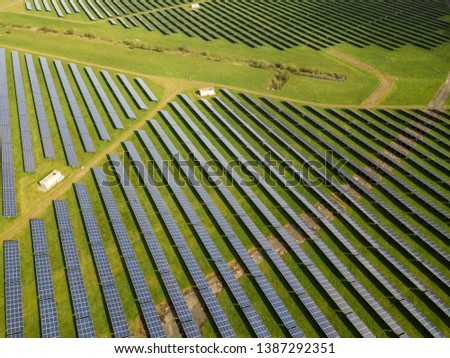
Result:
pixel 210 300
pixel 46 138
pixel 118 94
pixel 137 99
pixel 25 132
pixel 175 294
pixel 226 273
pixel 405 187
pixel 80 304
pixel 75 109
pixel 269 250
pixel 362 209
pixel 388 286
pixel 312 209
pixel 46 293
pixel 108 284
pixel 92 108
pixel 389 209
pixel 13 290
pixel 8 187
pixel 104 99
pixel 69 149
pixel 142 293
pixel 148 92
pixel 265 212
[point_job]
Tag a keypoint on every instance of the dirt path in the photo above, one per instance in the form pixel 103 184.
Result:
pixel 438 102
pixel 387 82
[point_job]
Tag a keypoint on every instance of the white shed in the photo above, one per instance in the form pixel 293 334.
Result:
pixel 207 92
pixel 195 6
pixel 51 180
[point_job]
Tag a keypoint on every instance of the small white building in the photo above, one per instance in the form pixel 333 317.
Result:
pixel 207 92
pixel 51 180
pixel 195 6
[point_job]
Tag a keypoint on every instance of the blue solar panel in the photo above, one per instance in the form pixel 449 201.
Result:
pixel 142 292
pixel 8 187
pixel 104 99
pixel 323 281
pixel 208 243
pixel 170 282
pixel 93 111
pixel 252 228
pixel 75 109
pixel 118 94
pixel 197 275
pixel 137 99
pixel 13 290
pixel 46 294
pixel 46 138
pixel 22 111
pixel 76 283
pixel 148 92
pixel 109 288
pixel 64 132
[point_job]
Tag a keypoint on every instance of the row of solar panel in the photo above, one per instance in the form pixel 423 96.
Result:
pixel 345 242
pixel 44 281
pixel 389 257
pixel 394 213
pixel 13 290
pixel 260 158
pixel 333 205
pixel 170 283
pixel 265 212
pixel 322 247
pixel 405 187
pixel 8 187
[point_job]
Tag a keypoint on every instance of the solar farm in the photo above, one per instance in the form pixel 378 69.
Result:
pixel 307 195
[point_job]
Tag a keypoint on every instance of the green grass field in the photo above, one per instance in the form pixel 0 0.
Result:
pixel 177 64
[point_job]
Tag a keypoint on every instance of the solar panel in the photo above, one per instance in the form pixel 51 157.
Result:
pixel 74 5
pixel 37 5
pixel 86 10
pixel 46 294
pixel 13 290
pixel 8 186
pixel 66 139
pixel 93 111
pixel 123 23
pixel 46 138
pixel 270 251
pixel 66 7
pixel 97 12
pixel 46 5
pixel 57 9
pixel 104 99
pixel 333 293
pixel 197 275
pixel 100 5
pixel 137 99
pixel 75 109
pixel 118 94
pixel 147 91
pixel 215 254
pixel 76 283
pixel 142 292
pixel 109 288
pixel 170 283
